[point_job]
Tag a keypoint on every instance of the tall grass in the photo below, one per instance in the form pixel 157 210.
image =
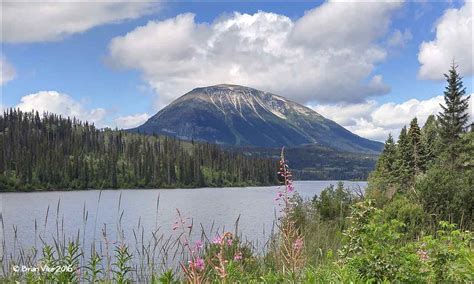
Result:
pixel 105 253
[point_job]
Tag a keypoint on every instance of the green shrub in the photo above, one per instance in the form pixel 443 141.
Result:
pixel 372 247
pixel 410 213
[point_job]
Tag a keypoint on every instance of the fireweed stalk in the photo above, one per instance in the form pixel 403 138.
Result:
pixel 290 254
pixel 194 270
pixel 220 266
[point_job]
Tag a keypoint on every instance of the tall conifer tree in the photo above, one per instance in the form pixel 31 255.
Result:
pixel 404 159
pixel 430 139
pixel 416 148
pixel 454 117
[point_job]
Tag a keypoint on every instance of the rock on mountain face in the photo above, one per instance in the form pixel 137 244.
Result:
pixel 242 116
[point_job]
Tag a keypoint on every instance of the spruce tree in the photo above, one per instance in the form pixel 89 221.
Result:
pixel 404 159
pixel 416 161
pixel 430 139
pixel 386 162
pixel 454 117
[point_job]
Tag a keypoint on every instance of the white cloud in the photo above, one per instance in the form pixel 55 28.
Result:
pixel 327 55
pixel 392 115
pixel 346 114
pixel 375 121
pixel 130 121
pixel 58 103
pixel 8 73
pixel 37 21
pixel 453 41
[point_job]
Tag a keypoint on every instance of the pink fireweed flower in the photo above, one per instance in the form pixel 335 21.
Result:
pixel 291 187
pixel 298 244
pixel 229 242
pixel 199 264
pixel 238 256
pixel 198 245
pixel 217 240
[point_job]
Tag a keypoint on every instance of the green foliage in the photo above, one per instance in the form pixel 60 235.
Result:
pixel 94 271
pixel 448 194
pixel 381 250
pixel 334 203
pixel 430 140
pixel 122 264
pixel 404 156
pixel 167 277
pixel 450 254
pixel 454 117
pixel 410 213
pixel 433 166
pixel 417 151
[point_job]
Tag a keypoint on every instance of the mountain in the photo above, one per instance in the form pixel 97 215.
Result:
pixel 242 116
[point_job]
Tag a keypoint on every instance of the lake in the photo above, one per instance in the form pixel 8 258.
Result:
pixel 81 213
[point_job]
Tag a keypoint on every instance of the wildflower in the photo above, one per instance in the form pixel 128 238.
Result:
pixel 238 256
pixel 217 240
pixel 229 242
pixel 198 245
pixel 199 264
pixel 298 244
pixel 291 187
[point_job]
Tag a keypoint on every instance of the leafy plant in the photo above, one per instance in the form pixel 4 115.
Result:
pixel 122 266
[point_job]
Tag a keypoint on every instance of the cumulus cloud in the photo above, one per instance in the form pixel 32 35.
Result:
pixel 376 121
pixel 453 42
pixel 346 114
pixel 37 21
pixel 58 103
pixel 327 55
pixel 130 121
pixel 8 73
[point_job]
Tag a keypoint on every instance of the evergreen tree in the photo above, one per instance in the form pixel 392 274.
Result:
pixel 417 159
pixel 386 162
pixel 454 117
pixel 430 139
pixel 383 177
pixel 404 158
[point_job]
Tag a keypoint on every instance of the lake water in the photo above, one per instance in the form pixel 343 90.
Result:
pixel 216 209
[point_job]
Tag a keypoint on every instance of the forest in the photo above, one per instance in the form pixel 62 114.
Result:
pixel 39 152
pixel 433 165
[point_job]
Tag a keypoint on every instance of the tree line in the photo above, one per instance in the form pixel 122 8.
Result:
pixel 433 165
pixel 49 151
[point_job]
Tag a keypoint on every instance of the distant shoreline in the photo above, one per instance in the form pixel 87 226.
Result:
pixel 163 188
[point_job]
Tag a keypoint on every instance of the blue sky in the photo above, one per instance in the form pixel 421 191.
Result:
pixel 360 64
